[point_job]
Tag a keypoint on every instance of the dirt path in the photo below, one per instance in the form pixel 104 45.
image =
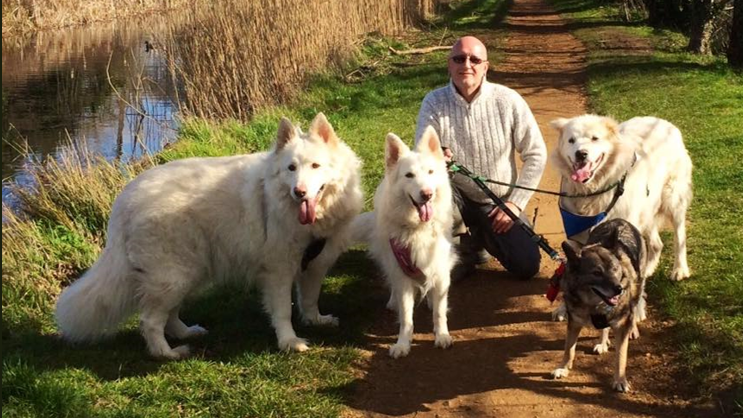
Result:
pixel 505 344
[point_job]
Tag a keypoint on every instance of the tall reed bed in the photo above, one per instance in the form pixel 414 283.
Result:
pixel 23 16
pixel 238 56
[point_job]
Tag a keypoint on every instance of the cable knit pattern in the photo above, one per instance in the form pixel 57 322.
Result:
pixel 484 136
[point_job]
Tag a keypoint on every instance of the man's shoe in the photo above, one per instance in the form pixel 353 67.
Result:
pixel 462 271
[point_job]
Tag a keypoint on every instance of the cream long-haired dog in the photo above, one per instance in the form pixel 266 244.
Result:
pixel 595 151
pixel 194 222
pixel 410 233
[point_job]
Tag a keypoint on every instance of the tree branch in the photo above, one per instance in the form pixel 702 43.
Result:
pixel 417 51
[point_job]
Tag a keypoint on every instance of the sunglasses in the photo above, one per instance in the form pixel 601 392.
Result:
pixel 460 59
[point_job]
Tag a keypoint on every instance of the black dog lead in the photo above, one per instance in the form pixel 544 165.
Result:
pixel 554 283
pixel 479 181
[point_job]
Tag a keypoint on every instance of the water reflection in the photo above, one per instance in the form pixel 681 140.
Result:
pixel 100 86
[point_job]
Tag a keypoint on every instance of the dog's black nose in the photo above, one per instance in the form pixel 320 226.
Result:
pixel 426 195
pixel 581 155
pixel 618 290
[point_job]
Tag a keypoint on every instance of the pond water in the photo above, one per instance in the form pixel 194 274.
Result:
pixel 102 87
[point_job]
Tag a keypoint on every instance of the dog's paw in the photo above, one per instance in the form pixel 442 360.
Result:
pixel 195 331
pixel 167 353
pixel 443 341
pixel 680 273
pixel 640 310
pixel 182 351
pixel 560 373
pixel 621 385
pixel 323 321
pixel 399 350
pixel 560 314
pixel 635 333
pixel 294 344
pixel 601 348
pixel 177 353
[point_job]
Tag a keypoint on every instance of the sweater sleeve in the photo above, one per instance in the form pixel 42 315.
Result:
pixel 427 117
pixel 528 142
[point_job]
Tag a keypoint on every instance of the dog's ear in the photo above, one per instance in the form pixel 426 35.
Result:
pixel 612 126
pixel 322 128
pixel 429 143
pixel 572 252
pixel 394 149
pixel 286 133
pixel 559 124
pixel 612 241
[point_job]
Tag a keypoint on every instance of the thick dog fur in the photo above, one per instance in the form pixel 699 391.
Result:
pixel 198 221
pixel 413 205
pixel 594 152
pixel 603 283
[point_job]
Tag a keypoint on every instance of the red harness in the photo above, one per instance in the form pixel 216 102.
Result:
pixel 405 261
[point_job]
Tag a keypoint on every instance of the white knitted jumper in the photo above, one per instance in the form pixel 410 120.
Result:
pixel 484 136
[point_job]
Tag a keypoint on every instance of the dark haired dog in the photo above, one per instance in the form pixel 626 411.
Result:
pixel 603 287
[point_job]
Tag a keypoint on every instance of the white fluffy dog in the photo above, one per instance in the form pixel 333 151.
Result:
pixel 410 233
pixel 193 222
pixel 595 152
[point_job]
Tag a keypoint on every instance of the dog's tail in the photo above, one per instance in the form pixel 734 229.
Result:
pixel 360 230
pixel 93 306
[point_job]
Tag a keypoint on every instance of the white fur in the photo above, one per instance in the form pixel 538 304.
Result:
pixel 198 221
pixel 657 188
pixel 408 173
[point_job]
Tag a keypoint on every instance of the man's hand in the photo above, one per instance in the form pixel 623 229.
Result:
pixel 502 222
pixel 447 154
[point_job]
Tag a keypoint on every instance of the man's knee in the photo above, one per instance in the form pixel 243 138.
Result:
pixel 524 259
pixel 526 267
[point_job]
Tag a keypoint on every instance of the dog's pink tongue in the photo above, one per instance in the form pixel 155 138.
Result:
pixel 582 174
pixel 425 211
pixel 307 211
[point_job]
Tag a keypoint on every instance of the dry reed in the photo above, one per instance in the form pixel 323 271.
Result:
pixel 240 56
pixel 23 16
pixel 76 190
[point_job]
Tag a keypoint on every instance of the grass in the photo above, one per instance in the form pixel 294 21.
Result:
pixel 704 98
pixel 237 370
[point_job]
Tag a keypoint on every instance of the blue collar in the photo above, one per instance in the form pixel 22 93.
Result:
pixel 575 224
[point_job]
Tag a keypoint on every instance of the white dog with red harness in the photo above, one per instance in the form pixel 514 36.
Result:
pixel 410 233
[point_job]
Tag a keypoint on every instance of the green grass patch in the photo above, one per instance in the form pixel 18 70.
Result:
pixel 236 370
pixel 648 73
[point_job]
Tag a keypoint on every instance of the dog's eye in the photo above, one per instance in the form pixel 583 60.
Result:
pixel 430 171
pixel 594 138
pixel 571 140
pixel 292 167
pixel 597 273
pixel 315 165
pixel 410 175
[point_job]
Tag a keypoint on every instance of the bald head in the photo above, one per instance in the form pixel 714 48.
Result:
pixel 468 64
pixel 471 46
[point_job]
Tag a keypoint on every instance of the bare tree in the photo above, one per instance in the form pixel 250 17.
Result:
pixel 735 49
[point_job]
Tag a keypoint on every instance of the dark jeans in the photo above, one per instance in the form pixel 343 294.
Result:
pixel 514 249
